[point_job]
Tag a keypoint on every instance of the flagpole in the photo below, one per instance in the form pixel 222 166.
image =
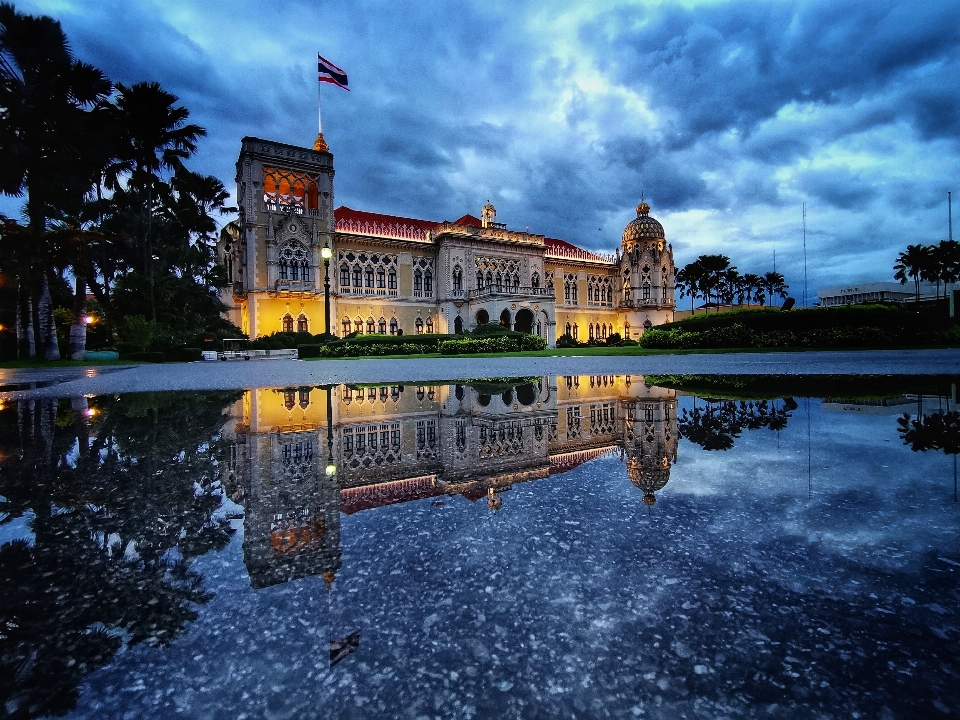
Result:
pixel 320 144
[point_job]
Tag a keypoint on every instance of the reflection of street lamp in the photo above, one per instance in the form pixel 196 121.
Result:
pixel 331 468
pixel 326 253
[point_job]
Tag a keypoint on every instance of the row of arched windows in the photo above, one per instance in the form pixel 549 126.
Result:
pixel 368 277
pixel 379 327
pixel 422 283
pixel 600 331
pixel 303 324
pixel 500 281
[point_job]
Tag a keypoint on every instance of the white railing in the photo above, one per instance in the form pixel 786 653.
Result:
pixel 400 231
pixel 296 285
pixel 578 254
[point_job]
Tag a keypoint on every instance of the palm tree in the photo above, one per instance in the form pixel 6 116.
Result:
pixel 45 94
pixel 910 264
pixel 714 266
pixel 689 280
pixel 950 262
pixel 775 284
pixel 751 283
pixel 155 140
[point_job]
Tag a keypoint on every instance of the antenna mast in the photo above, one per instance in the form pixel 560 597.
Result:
pixel 950 215
pixel 805 255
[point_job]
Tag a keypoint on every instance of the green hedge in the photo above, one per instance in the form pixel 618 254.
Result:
pixel 503 343
pixel 151 357
pixel 186 354
pixel 374 345
pixel 813 319
pixel 740 336
pixel 309 351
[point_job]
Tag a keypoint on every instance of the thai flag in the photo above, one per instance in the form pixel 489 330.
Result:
pixel 328 72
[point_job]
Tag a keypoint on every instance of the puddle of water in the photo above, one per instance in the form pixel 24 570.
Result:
pixel 532 547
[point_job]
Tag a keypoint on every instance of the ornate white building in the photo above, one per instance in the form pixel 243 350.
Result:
pixel 390 273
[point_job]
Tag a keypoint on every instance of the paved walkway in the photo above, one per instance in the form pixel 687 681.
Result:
pixel 72 382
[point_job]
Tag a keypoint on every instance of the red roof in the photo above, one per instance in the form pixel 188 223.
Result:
pixel 363 222
pixel 345 214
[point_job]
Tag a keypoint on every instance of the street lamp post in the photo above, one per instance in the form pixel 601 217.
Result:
pixel 326 253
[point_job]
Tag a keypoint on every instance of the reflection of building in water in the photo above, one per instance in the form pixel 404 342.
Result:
pixel 393 444
pixel 620 412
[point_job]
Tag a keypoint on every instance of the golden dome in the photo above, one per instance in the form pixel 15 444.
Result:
pixel 643 227
pixel 329 577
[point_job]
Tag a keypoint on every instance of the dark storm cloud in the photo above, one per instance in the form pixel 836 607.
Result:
pixel 732 112
pixel 733 65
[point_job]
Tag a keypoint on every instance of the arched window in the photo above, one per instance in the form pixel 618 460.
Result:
pixel 626 330
pixel 294 261
pixel 535 280
pixel 499 282
pixel 647 324
pixel 393 326
pixel 304 397
pixel 479 280
pixel 591 331
pixel 418 281
pixel 516 282
pixel 646 291
pixel 626 291
pixel 344 275
pixel 589 293
pixel 392 279
pixel 302 323
pixel 609 293
pixel 428 282
pixel 381 278
pixel 358 325
pixel 603 331
pixel 289 399
pixel 287 323
pixel 346 326
pixel 430 325
pixel 419 326
pixel 457 278
pixel 568 329
pixel 347 393
pixel 576 331
pixel 369 277
pixel 382 326
pixel 371 328
pixel 357 276
pixel 489 279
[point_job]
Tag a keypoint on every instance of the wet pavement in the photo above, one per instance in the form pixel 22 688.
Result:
pixel 543 546
pixel 277 373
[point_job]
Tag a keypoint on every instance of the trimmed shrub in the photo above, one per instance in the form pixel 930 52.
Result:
pixel 310 351
pixel 614 339
pixel 185 354
pixel 567 341
pixel 488 329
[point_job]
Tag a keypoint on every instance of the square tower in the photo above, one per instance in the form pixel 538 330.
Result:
pixel 285 204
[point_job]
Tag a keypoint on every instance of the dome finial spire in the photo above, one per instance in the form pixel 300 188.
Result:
pixel 643 208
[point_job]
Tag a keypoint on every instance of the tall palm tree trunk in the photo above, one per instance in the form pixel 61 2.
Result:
pixel 25 346
pixel 78 330
pixel 48 329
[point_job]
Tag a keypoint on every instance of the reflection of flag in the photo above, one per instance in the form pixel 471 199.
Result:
pixel 328 72
pixel 339 649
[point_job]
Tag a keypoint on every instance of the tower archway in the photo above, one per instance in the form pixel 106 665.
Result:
pixel 458 325
pixel 505 318
pixel 483 317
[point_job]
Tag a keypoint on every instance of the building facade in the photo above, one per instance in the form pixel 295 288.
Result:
pixel 390 273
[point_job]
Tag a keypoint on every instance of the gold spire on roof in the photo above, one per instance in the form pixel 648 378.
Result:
pixel 320 145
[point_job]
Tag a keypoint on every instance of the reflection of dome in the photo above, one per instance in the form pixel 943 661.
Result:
pixel 649 477
pixel 643 227
pixel 329 577
pixel 494 501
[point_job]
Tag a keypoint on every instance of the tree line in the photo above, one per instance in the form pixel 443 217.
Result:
pixel 938 263
pixel 714 279
pixel 110 204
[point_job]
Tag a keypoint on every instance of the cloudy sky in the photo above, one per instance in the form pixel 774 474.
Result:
pixel 727 115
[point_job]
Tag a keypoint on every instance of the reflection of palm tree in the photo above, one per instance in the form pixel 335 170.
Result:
pixel 132 511
pixel 940 431
pixel 717 426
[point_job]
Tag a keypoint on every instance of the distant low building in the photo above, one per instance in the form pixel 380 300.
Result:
pixel 874 292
